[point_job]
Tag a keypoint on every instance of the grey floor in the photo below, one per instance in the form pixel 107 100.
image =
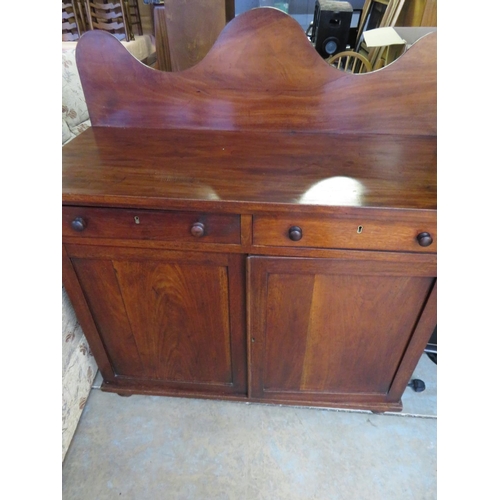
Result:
pixel 148 447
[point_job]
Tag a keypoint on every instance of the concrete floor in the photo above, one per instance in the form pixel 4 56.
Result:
pixel 148 447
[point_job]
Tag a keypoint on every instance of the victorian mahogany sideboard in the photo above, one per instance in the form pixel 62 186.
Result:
pixel 259 227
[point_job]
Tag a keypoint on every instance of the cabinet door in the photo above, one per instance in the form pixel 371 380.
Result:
pixel 335 331
pixel 166 320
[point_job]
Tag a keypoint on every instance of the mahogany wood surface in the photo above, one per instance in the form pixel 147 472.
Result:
pixel 416 259
pixel 78 300
pixel 249 171
pixel 166 315
pixel 259 227
pixel 328 324
pixel 362 233
pixel 152 225
pixel 418 342
pixel 261 74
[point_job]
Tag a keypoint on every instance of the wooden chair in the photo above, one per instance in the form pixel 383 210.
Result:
pixel 134 15
pixel 72 21
pixel 377 14
pixel 110 16
pixel 350 61
pixel 82 17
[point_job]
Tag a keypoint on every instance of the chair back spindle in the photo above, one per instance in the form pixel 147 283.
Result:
pixel 350 61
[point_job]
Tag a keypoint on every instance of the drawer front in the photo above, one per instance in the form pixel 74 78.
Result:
pixel 151 225
pixel 361 234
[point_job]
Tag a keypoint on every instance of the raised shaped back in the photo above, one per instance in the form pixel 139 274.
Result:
pixel 261 74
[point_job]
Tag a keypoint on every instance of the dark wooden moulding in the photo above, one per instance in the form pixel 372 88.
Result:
pixel 259 227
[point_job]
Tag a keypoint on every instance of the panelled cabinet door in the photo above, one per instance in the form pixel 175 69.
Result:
pixel 165 318
pixel 324 330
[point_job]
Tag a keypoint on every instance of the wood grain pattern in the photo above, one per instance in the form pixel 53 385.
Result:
pixel 426 259
pixel 329 325
pixel 246 230
pixel 102 291
pixel 250 171
pixel 192 28
pixel 261 74
pixel 418 342
pixel 164 62
pixel 84 315
pixel 165 316
pixel 152 225
pixel 372 402
pixel 362 233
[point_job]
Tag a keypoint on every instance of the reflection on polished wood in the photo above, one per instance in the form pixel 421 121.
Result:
pixel 261 74
pixel 260 227
pixel 249 169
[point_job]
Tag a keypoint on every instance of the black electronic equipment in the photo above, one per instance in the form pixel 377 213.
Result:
pixel 331 26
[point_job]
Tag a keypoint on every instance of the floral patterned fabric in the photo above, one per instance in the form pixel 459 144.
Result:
pixel 79 367
pixel 141 47
pixel 75 115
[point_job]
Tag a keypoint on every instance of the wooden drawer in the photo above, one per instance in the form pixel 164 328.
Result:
pixel 150 225
pixel 361 233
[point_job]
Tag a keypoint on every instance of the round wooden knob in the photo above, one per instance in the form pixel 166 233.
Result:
pixel 78 224
pixel 295 233
pixel 198 229
pixel 424 239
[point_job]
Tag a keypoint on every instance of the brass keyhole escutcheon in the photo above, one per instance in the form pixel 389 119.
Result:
pixel 136 219
pixel 360 229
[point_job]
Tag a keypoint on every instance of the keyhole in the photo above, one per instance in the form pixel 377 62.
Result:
pixel 360 229
pixel 136 218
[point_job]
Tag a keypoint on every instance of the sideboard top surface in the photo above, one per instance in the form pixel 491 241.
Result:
pixel 249 170
pixel 261 123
